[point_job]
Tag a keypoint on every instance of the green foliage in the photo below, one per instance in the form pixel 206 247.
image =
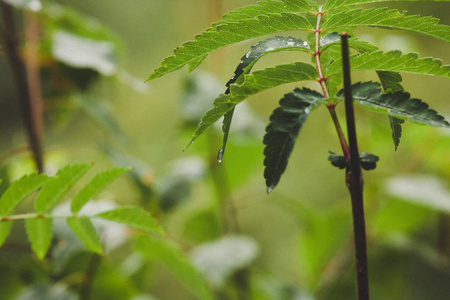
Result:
pixel 368 161
pixel 39 225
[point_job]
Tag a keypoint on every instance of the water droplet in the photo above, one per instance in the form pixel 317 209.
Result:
pixel 220 155
pixel 270 189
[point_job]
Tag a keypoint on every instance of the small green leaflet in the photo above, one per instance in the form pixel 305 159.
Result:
pixel 228 34
pixel 389 19
pixel 331 4
pixel 258 50
pixel 18 190
pixel 171 257
pixel 368 161
pixel 398 104
pixel 5 228
pixel 85 231
pixel 133 217
pixel 54 191
pixel 392 61
pixel 99 182
pixel 39 233
pixel 390 81
pixel 254 83
pixel 285 124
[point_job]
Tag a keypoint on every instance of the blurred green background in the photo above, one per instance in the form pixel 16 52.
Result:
pixel 298 237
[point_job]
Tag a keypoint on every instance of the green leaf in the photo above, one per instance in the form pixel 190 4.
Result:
pixel 331 4
pixel 18 190
pixel 258 50
pixel 390 81
pixel 227 34
pixel 132 216
pixel 398 104
pixel 393 61
pixel 5 229
pixel 334 38
pixel 98 183
pixel 39 233
pixel 285 124
pixel 388 19
pixel 165 253
pixel 54 191
pixel 254 83
pixel 85 231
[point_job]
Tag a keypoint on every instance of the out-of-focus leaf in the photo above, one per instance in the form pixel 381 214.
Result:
pixel 218 260
pixel 47 292
pixel 393 61
pixel 422 190
pixel 132 216
pixel 39 233
pixel 285 124
pixel 34 5
pixel 81 52
pixel 99 182
pixel 54 191
pixel 165 253
pixel 265 287
pixel 85 231
pixel 387 19
pixel 18 190
pixel 5 229
pixel 398 104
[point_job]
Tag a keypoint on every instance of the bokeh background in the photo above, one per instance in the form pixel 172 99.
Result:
pixel 295 243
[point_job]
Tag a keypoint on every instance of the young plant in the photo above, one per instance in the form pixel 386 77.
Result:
pixel 324 23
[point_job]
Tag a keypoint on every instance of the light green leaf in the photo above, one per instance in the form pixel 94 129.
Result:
pixel 398 104
pixel 171 257
pixel 255 83
pixel 98 183
pixel 227 34
pixel 85 231
pixel 331 4
pixel 5 229
pixel 132 216
pixel 55 190
pixel 282 131
pixel 18 190
pixel 393 61
pixel 389 19
pixel 39 233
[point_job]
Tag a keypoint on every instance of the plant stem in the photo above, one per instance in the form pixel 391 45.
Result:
pixel 19 70
pixel 355 180
pixel 322 81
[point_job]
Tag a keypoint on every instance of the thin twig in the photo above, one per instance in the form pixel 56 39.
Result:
pixel 355 181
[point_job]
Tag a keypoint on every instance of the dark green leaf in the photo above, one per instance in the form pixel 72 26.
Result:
pixel 254 83
pixel 54 191
pixel 85 231
pixel 258 50
pixel 368 161
pixel 39 233
pixel 18 190
pixel 165 253
pixel 132 216
pixel 5 229
pixel 285 124
pixel 227 34
pixel 389 19
pixel 99 182
pixel 393 61
pixel 390 81
pixel 337 160
pixel 398 104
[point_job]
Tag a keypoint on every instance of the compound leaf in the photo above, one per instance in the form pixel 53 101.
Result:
pixel 18 190
pixel 393 61
pixel 54 191
pixel 39 233
pixel 398 104
pixel 388 19
pixel 99 182
pixel 85 231
pixel 226 34
pixel 285 124
pixel 171 257
pixel 132 216
pixel 254 83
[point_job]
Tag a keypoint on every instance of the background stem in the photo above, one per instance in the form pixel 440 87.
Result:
pixel 355 181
